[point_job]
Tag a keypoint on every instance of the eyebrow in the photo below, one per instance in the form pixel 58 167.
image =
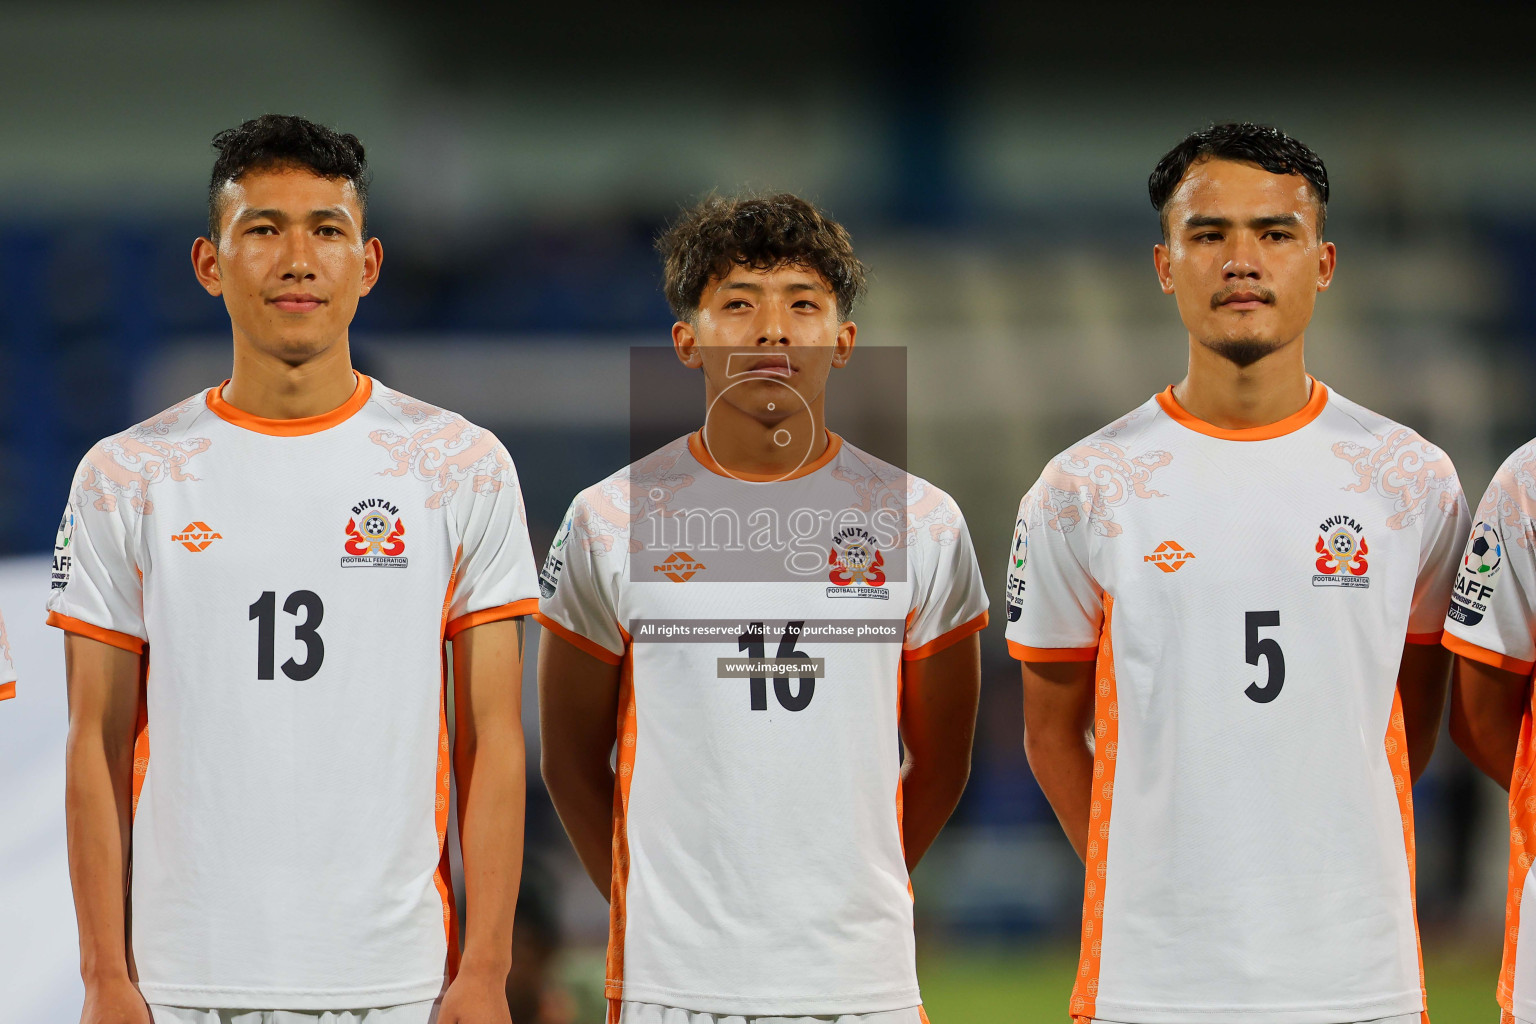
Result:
pixel 753 286
pixel 324 213
pixel 1273 221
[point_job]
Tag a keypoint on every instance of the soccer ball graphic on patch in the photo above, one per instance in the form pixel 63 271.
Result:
pixel 1485 551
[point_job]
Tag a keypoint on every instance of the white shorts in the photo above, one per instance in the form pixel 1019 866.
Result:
pixel 650 1013
pixel 404 1013
pixel 1406 1018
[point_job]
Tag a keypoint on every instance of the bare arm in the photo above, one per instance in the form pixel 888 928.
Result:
pixel 578 724
pixel 1058 721
pixel 939 695
pixel 489 762
pixel 103 684
pixel 1421 683
pixel 1487 706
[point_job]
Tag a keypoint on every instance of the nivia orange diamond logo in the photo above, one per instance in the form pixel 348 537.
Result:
pixel 1169 556
pixel 679 567
pixel 196 536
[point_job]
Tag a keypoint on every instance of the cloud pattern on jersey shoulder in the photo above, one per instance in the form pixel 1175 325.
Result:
pixel 7 664
pixel 1091 480
pixel 1407 470
pixel 1511 498
pixel 444 450
pixel 123 467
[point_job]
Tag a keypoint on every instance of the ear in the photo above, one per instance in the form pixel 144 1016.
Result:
pixel 842 349
pixel 1162 261
pixel 686 344
pixel 373 259
pixel 205 266
pixel 1326 263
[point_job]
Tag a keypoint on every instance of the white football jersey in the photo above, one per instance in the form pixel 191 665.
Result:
pixel 758 866
pixel 1492 620
pixel 1246 595
pixel 7 667
pixel 291 583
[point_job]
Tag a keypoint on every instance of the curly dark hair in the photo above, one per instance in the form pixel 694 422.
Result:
pixel 1245 142
pixel 285 140
pixel 761 232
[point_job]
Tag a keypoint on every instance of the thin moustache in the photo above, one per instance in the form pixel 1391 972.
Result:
pixel 1262 294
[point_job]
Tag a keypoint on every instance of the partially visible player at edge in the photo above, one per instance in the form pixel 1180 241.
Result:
pixel 7 667
pixel 1491 626
pixel 293 546
pixel 756 839
pixel 1228 605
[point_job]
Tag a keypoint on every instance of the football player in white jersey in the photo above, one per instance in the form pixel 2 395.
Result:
pixel 7 666
pixel 1491 626
pixel 1228 605
pixel 256 586
pixel 755 830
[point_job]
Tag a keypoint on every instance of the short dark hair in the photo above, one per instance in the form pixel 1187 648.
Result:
pixel 280 141
pixel 1244 142
pixel 760 232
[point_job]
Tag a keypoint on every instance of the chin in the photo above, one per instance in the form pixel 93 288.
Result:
pixel 1244 350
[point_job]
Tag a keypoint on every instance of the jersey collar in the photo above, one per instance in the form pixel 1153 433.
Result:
pixel 1292 423
pixel 295 427
pixel 698 451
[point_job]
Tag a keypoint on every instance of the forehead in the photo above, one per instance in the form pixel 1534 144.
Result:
pixel 783 276
pixel 293 190
pixel 1232 189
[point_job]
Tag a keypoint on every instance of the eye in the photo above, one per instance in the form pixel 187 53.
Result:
pixel 807 304
pixel 262 229
pixel 330 231
pixel 1277 235
pixel 1208 236
pixel 737 304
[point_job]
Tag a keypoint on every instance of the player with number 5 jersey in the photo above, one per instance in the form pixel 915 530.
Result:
pixel 755 613
pixel 1236 590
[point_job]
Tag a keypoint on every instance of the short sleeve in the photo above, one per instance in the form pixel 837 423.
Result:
pixel 1445 532
pixel 1490 619
pixel 495 578
pixel 579 584
pixel 1055 606
pixel 7 666
pixel 98 590
pixel 949 602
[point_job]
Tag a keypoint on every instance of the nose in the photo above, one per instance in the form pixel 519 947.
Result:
pixel 298 257
pixel 1242 261
pixel 772 324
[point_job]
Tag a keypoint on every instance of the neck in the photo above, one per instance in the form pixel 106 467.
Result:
pixel 743 444
pixel 1225 395
pixel 266 386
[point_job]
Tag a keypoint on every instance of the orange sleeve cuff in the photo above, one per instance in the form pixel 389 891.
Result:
pixel 1426 638
pixel 527 606
pixel 1473 652
pixel 7 690
pixel 111 637
pixel 948 639
pixel 1023 653
pixel 578 641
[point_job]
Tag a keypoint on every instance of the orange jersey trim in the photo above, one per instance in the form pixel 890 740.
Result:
pixel 1396 745
pixel 618 902
pixel 527 606
pixel 948 639
pixel 697 449
pixel 7 690
pixel 578 641
pixel 1106 749
pixel 442 878
pixel 1426 638
pixel 111 637
pixel 1292 423
pixel 295 427
pixel 1023 653
pixel 1459 646
pixel 1522 849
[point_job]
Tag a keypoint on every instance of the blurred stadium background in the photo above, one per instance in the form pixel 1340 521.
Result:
pixel 991 165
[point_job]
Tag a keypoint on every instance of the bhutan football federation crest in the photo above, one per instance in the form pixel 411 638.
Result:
pixel 375 536
pixel 858 567
pixel 1474 579
pixel 1341 551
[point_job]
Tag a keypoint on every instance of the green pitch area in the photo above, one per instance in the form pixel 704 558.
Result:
pixel 993 986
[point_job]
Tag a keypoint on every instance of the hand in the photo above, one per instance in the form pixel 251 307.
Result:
pixel 114 1002
pixel 475 997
